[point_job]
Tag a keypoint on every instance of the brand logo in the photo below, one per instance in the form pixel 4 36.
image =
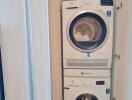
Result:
pixel 83 73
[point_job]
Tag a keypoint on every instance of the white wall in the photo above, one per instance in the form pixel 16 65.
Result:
pixel 123 81
pixel 128 76
pixel 120 49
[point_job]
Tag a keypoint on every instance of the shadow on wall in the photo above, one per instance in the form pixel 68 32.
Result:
pixel 2 97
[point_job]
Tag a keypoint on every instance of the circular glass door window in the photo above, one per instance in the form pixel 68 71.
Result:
pixel 86 97
pixel 87 32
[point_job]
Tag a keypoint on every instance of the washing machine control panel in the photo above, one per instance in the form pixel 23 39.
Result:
pixel 78 4
pixel 74 86
pixel 84 82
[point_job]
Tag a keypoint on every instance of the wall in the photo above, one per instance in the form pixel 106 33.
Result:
pixel 120 45
pixel 128 75
pixel 54 7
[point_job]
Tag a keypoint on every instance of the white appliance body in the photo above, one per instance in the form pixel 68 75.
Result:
pixel 87 36
pixel 92 83
pixel 73 56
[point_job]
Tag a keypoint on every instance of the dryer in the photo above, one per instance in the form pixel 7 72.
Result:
pixel 87 33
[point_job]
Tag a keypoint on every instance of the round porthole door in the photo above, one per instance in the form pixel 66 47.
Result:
pixel 87 32
pixel 86 97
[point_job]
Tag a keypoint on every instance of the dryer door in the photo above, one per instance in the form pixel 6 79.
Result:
pixel 86 97
pixel 87 32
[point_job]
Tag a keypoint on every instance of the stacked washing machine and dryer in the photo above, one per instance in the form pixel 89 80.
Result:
pixel 87 38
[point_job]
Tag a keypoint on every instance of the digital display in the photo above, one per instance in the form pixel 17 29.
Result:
pixel 107 2
pixel 100 82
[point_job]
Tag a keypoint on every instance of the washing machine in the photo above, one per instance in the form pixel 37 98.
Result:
pixel 87 85
pixel 87 33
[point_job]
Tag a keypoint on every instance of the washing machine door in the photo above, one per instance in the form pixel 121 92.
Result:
pixel 86 97
pixel 87 31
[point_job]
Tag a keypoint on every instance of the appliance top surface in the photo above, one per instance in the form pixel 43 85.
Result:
pixel 92 2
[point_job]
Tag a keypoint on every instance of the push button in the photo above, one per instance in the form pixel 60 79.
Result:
pixel 87 2
pixel 108 91
pixel 109 13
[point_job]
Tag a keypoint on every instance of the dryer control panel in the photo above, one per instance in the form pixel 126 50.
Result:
pixel 107 2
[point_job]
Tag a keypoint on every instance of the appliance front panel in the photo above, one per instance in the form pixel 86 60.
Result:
pixel 101 56
pixel 98 87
